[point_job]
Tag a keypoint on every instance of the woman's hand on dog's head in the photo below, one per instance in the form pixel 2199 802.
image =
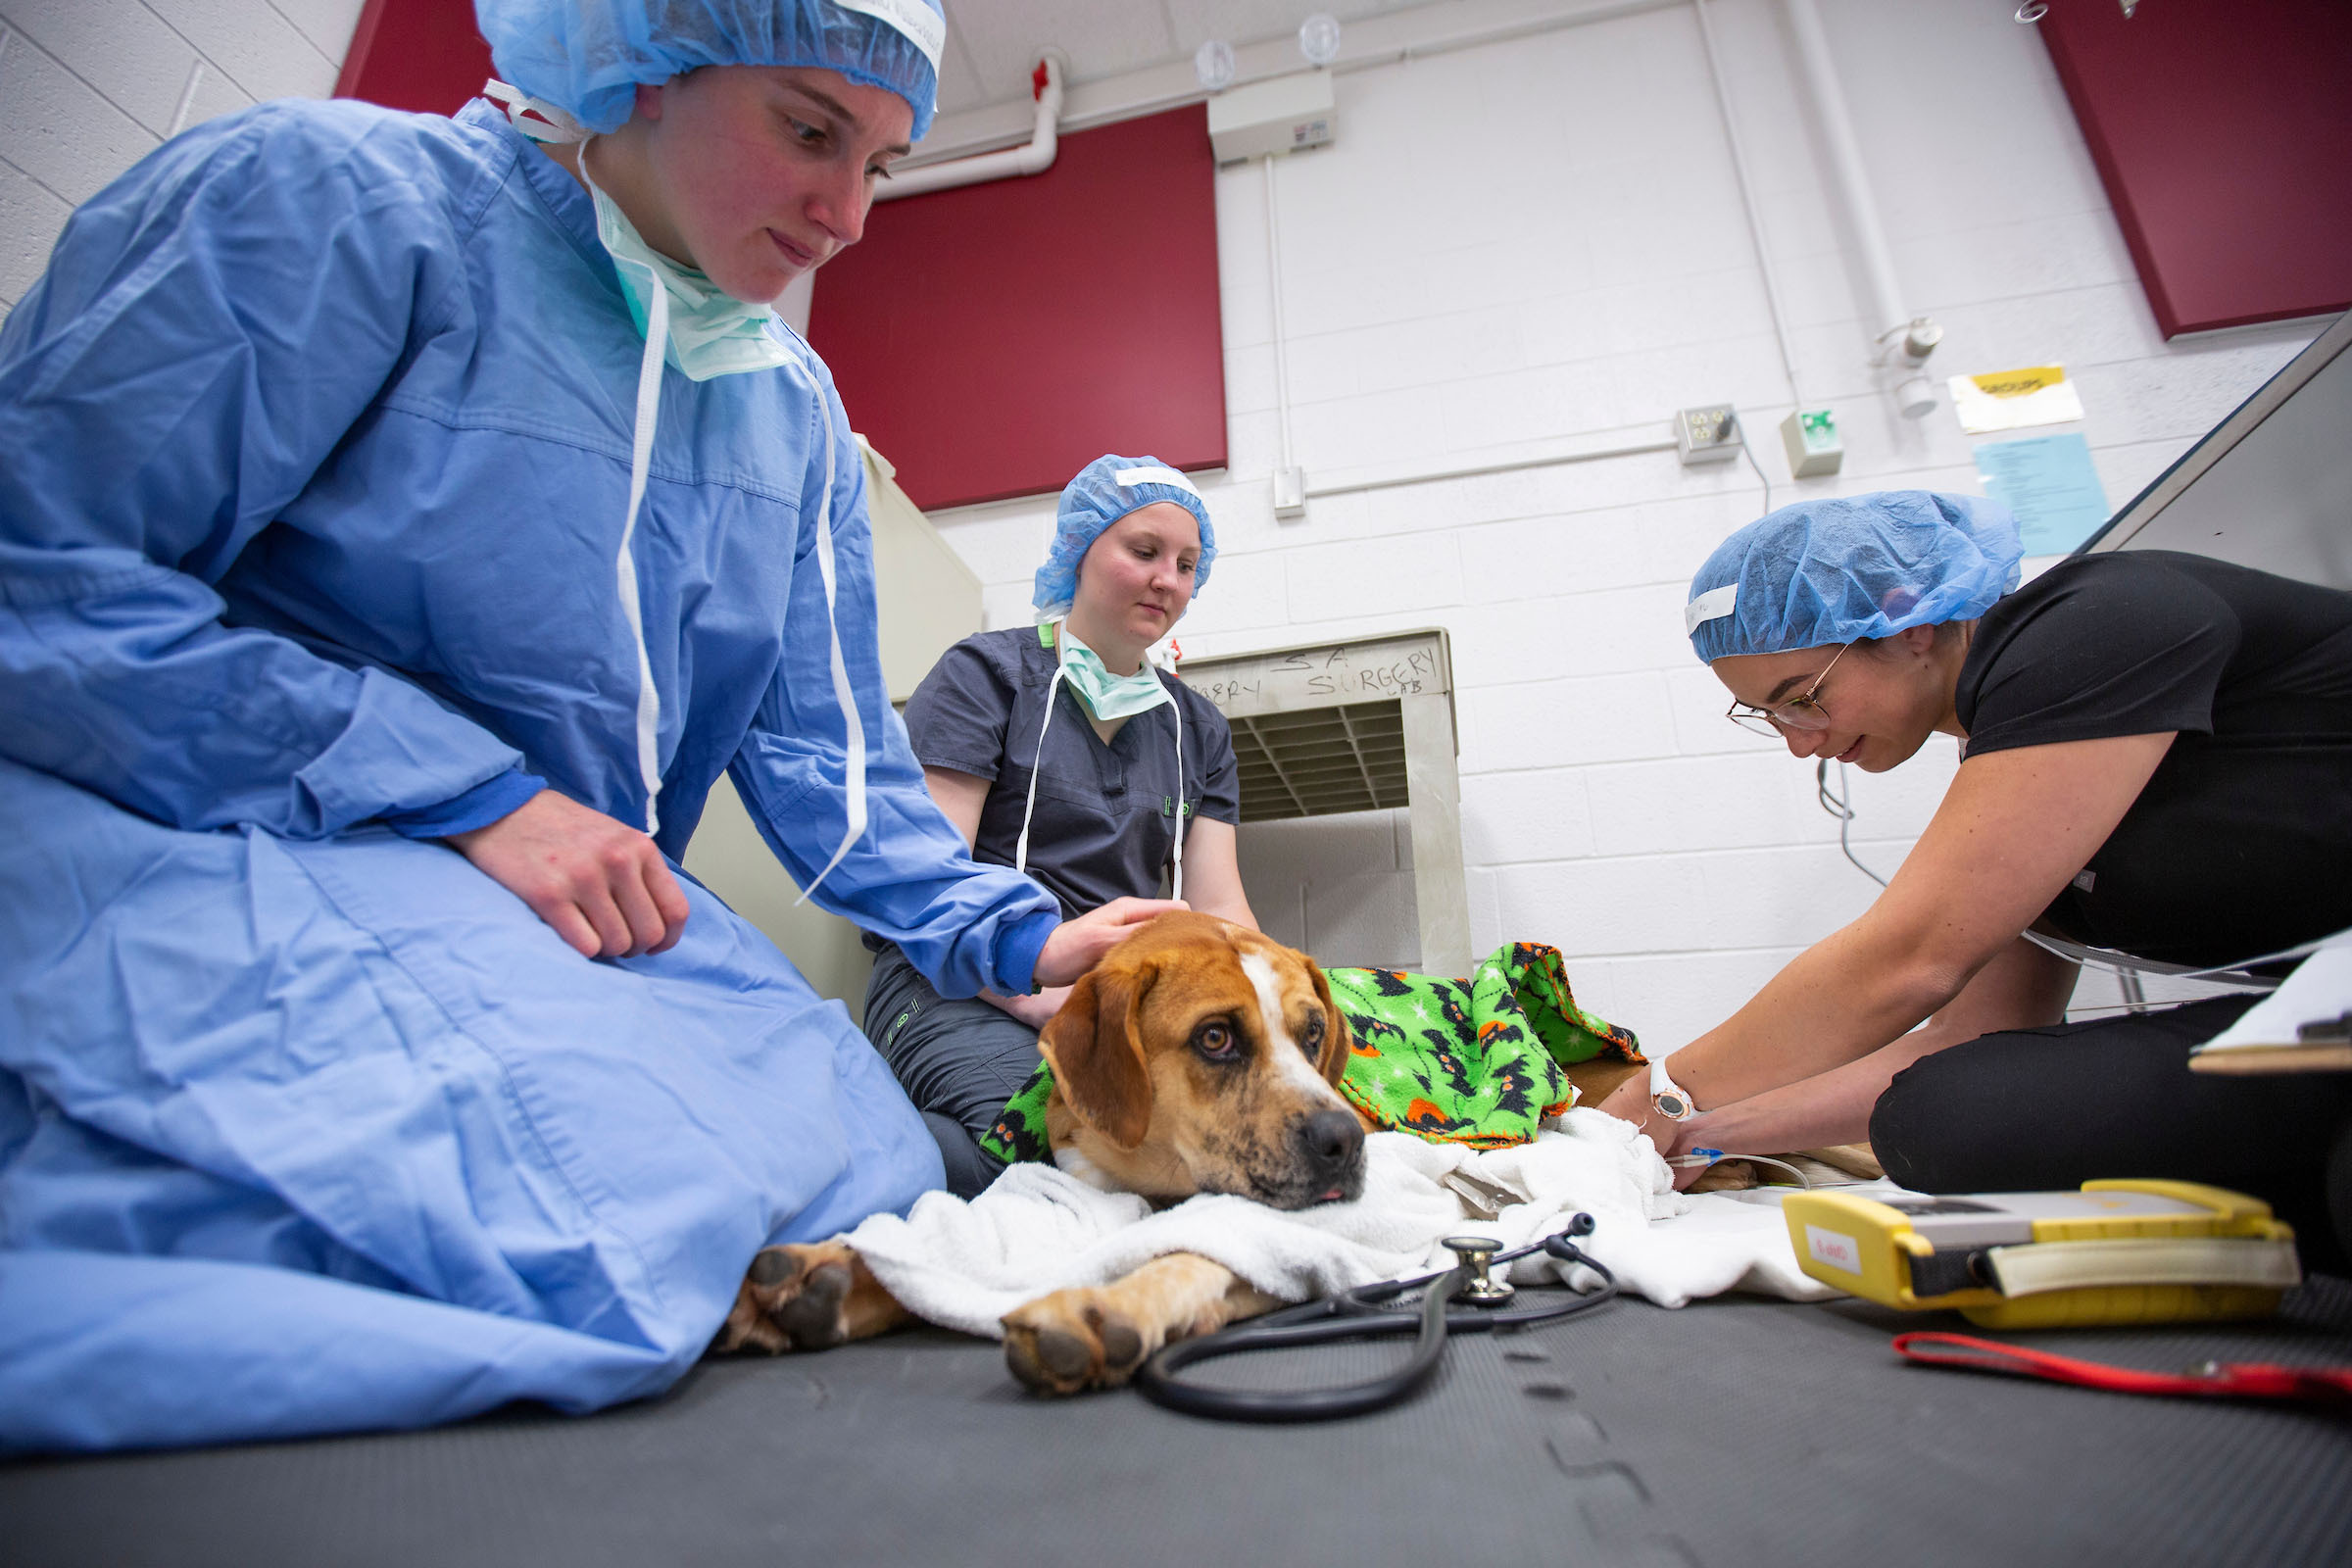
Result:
pixel 1077 946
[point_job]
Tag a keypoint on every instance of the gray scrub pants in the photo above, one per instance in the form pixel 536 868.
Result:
pixel 959 1062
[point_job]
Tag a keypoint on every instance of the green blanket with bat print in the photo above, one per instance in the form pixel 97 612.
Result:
pixel 1475 1061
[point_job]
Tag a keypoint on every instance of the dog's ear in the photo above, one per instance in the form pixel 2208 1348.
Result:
pixel 1096 1047
pixel 1336 1042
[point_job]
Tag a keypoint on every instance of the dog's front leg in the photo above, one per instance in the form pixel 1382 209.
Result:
pixel 1093 1336
pixel 807 1297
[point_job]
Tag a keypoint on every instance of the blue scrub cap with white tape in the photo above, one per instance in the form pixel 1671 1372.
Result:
pixel 1104 491
pixel 586 57
pixel 1838 570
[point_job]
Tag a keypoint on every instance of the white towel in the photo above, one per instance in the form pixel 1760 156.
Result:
pixel 965 1266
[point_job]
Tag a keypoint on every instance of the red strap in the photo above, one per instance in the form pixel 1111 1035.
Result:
pixel 2258 1379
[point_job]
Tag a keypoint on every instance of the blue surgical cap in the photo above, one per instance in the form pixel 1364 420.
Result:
pixel 1104 491
pixel 586 57
pixel 1835 571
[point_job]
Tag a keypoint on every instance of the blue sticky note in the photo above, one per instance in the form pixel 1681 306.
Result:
pixel 2049 483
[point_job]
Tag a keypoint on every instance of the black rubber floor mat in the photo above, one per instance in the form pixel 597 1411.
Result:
pixel 1735 1434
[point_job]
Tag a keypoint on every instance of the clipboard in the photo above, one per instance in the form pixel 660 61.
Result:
pixel 2303 1026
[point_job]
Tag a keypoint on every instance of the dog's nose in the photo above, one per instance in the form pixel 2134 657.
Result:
pixel 1332 1139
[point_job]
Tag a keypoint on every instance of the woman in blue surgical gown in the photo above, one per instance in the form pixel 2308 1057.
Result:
pixel 402 525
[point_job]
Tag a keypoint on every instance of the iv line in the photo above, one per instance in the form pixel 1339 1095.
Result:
pixel 1839 805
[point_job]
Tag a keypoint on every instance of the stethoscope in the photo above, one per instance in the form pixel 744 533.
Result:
pixel 1356 1315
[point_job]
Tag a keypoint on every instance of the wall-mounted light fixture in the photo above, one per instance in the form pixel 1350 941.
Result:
pixel 1213 65
pixel 1319 39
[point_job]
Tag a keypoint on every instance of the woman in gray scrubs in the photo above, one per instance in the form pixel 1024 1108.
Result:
pixel 1060 749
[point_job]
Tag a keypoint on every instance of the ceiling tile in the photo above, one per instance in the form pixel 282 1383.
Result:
pixel 958 80
pixel 1240 22
pixel 1000 38
pixel 1101 38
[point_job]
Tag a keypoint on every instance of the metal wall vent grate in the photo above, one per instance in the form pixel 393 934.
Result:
pixel 1323 761
pixel 1356 726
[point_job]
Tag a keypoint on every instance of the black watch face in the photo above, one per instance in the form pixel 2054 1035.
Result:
pixel 1673 1107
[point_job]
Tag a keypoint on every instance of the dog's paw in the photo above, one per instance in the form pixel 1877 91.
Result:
pixel 793 1298
pixel 1073 1340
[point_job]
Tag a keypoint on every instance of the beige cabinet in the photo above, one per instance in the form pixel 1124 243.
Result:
pixel 929 601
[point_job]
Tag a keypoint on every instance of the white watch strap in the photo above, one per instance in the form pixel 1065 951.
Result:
pixel 1661 1082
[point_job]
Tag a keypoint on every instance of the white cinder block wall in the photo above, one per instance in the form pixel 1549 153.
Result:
pixel 88 87
pixel 1506 246
pixel 1542 238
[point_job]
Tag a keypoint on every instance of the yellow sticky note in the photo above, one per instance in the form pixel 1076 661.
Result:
pixel 2010 400
pixel 2019 383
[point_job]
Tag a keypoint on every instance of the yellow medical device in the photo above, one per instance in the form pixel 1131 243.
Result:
pixel 2117 1251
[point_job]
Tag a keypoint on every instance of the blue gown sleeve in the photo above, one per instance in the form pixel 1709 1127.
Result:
pixel 478 807
pixel 210 327
pixel 910 877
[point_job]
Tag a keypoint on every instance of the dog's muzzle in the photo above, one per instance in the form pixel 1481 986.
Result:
pixel 1328 1148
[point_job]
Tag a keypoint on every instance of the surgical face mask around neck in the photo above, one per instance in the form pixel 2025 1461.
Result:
pixel 710 332
pixel 661 295
pixel 1108 696
pixel 1082 667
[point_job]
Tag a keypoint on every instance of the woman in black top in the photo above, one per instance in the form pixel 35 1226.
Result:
pixel 1058 749
pixel 2157 757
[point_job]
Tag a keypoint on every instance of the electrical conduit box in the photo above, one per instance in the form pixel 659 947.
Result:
pixel 1707 434
pixel 1286 114
pixel 1810 436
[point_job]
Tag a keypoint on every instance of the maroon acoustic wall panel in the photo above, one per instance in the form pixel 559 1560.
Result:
pixel 423 55
pixel 2221 129
pixel 993 340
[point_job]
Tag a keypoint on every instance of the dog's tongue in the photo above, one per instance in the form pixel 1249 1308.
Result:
pixel 1329 1197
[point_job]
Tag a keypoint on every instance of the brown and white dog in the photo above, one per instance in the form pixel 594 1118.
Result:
pixel 1199 1057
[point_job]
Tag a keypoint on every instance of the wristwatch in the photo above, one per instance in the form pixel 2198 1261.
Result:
pixel 1667 1097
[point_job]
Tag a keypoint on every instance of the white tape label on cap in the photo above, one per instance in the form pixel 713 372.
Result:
pixel 1129 478
pixel 1833 1247
pixel 1713 605
pixel 923 27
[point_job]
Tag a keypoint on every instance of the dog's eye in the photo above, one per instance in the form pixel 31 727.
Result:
pixel 1311 1038
pixel 1214 1039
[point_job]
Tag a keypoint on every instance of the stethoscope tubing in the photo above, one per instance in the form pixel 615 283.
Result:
pixel 1354 1314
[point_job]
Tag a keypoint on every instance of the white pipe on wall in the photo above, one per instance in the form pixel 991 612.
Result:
pixel 1884 302
pixel 1033 159
pixel 1285 471
pixel 1747 203
pixel 1547 460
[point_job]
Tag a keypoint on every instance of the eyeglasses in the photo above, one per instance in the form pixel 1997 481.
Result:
pixel 1797 713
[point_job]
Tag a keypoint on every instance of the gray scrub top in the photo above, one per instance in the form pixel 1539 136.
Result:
pixel 1105 821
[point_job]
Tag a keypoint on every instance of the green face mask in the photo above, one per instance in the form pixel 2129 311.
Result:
pixel 1109 696
pixel 711 331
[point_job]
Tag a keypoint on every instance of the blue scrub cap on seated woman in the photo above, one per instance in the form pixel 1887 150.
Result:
pixel 586 57
pixel 1838 570
pixel 1104 491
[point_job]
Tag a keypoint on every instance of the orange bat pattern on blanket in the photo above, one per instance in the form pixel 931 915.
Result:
pixel 1421 1113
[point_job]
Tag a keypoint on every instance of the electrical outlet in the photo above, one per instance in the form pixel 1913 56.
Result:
pixel 1709 433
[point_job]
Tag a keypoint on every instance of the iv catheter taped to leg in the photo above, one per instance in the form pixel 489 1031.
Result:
pixel 1040 1229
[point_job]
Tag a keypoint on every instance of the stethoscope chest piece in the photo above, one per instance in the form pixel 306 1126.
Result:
pixel 1477 1255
